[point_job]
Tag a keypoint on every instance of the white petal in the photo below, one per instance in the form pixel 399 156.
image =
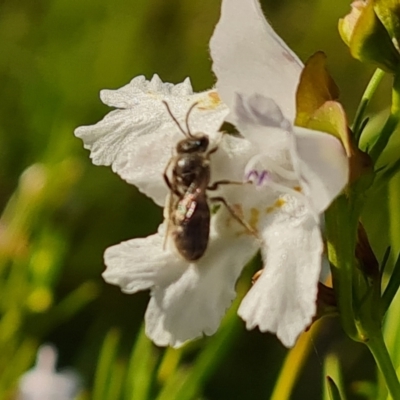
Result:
pixel 318 159
pixel 283 299
pixel 195 303
pixel 139 139
pixel 261 121
pixel 43 382
pixel 231 158
pixel 187 299
pixel 139 91
pixel 249 57
pixel 323 166
pixel 140 264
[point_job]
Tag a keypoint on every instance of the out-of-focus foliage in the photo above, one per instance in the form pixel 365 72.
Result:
pixel 60 212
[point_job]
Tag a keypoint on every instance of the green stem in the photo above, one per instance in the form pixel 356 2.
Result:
pixel 383 137
pixel 365 99
pixel 390 124
pixel 391 288
pixel 341 229
pixel 378 349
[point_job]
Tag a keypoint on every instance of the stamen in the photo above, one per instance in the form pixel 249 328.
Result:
pixel 260 176
pixel 214 97
pixel 269 165
pixel 286 190
pixel 278 204
pixel 255 277
pixel 254 218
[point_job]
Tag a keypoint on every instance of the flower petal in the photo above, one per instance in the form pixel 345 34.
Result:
pixel 231 158
pixel 249 57
pixel 194 304
pixel 318 159
pixel 283 299
pixel 260 120
pixel 138 92
pixel 323 166
pixel 138 139
pixel 44 383
pixel 140 264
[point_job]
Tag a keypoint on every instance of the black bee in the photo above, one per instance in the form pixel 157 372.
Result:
pixel 188 176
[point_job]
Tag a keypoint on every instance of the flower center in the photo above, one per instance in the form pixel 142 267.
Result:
pixel 264 172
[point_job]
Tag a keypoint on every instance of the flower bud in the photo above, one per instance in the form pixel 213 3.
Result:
pixel 368 39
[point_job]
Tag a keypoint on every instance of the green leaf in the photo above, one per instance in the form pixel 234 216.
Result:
pixel 318 109
pixel 333 390
pixel 316 103
pixel 391 124
pixel 315 88
pixel 392 286
pixel 105 365
pixel 333 385
pixel 384 261
pixel 365 389
pixel 141 368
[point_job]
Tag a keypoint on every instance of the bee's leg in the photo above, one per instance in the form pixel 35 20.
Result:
pixel 170 204
pixel 235 215
pixel 216 185
pixel 215 148
pixel 171 187
pixel 169 220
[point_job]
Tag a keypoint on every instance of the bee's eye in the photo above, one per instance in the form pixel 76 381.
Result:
pixel 203 143
pixel 192 145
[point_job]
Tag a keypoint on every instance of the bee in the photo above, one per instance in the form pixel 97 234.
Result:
pixel 187 176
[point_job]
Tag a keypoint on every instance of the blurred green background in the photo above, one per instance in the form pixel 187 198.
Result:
pixel 60 212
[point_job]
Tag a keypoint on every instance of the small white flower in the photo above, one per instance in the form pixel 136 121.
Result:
pixel 296 172
pixel 43 382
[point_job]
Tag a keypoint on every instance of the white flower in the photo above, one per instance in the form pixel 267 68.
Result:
pixel 43 382
pixel 138 140
pixel 257 78
pixel 297 173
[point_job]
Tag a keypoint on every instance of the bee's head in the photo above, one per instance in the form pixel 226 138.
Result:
pixel 197 143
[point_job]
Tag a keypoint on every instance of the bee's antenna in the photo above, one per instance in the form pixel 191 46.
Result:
pixel 187 117
pixel 175 120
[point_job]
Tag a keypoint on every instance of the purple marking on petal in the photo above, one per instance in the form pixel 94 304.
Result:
pixel 258 176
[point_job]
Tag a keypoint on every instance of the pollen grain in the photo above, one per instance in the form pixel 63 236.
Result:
pixel 210 102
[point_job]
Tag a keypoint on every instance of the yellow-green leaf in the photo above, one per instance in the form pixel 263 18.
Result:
pixel 315 88
pixel 367 37
pixel 388 11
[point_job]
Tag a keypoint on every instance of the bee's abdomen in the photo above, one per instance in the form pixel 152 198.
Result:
pixel 191 235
